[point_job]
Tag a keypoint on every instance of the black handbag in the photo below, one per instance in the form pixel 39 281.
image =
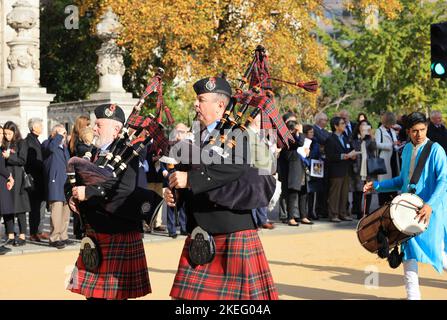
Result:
pixel 376 166
pixel 28 181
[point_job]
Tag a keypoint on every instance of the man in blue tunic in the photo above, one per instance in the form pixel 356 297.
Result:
pixel 427 247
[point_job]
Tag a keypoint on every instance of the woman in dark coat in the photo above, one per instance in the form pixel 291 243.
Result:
pixel 6 184
pixel 6 200
pixel 15 152
pixel 361 135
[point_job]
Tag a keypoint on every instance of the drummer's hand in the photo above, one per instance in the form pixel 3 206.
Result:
pixel 368 187
pixel 424 214
pixel 169 197
pixel 79 193
pixel 178 180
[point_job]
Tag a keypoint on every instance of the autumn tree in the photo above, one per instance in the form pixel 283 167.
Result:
pixel 195 38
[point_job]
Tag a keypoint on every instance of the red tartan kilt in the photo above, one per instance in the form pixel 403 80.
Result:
pixel 123 271
pixel 239 271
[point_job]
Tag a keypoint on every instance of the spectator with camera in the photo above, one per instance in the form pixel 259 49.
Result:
pixel 56 157
pixel 291 169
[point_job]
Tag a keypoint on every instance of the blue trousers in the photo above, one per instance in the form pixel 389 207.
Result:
pixel 260 216
pixel 172 228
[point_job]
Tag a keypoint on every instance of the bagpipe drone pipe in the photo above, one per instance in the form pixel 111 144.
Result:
pixel 252 189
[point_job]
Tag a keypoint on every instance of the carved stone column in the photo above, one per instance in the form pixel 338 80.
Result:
pixel 22 98
pixel 23 59
pixel 110 67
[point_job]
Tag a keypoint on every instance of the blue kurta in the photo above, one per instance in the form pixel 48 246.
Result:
pixel 432 188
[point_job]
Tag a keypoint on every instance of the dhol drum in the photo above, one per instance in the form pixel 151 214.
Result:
pixel 396 221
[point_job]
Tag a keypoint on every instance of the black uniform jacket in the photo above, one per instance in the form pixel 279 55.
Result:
pixel 201 211
pixel 111 206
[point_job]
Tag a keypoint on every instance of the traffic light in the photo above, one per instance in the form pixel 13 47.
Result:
pixel 438 37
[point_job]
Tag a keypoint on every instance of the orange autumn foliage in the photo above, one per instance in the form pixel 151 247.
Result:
pixel 191 39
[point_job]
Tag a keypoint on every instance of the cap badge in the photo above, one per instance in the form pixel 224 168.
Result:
pixel 211 84
pixel 110 111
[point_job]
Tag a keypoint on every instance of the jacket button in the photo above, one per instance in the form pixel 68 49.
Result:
pixel 209 179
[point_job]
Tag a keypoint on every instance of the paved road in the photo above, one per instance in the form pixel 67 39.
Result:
pixel 321 264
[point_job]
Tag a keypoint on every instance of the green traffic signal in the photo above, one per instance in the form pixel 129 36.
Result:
pixel 438 68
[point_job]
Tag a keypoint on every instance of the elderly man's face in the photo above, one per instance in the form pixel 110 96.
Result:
pixel 37 128
pixel 322 122
pixel 436 119
pixel 209 108
pixel 344 115
pixel 105 131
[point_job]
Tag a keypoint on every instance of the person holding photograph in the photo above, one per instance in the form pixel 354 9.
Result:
pixel 315 180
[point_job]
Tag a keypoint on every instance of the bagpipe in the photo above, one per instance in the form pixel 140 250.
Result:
pixel 260 97
pixel 110 165
pixel 252 190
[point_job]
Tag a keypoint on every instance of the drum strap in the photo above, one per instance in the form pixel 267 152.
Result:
pixel 421 163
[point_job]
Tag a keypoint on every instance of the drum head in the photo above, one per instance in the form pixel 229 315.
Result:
pixel 403 211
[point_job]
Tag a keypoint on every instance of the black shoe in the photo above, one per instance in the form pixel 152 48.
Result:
pixel 19 242
pixel 4 250
pixel 173 236
pixel 9 242
pixel 57 244
pixel 183 233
